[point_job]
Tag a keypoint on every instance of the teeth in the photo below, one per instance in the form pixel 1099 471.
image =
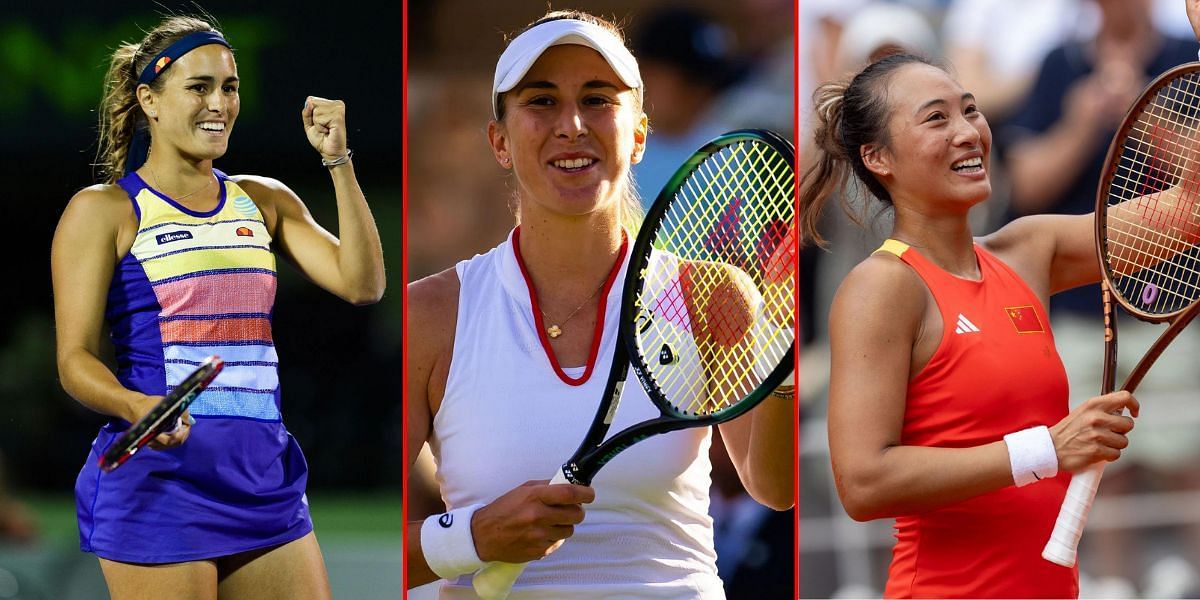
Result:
pixel 573 163
pixel 212 126
pixel 970 162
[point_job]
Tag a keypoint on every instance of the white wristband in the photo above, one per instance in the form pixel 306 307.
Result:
pixel 447 544
pixel 1031 455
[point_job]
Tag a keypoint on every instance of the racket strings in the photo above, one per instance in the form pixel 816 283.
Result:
pixel 1153 219
pixel 719 294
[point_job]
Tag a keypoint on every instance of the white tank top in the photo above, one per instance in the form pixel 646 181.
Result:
pixel 507 417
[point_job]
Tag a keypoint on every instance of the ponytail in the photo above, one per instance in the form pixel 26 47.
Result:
pixel 849 114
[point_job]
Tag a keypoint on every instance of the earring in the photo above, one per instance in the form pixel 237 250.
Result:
pixel 504 161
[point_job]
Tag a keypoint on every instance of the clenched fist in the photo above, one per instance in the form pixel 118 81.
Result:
pixel 325 125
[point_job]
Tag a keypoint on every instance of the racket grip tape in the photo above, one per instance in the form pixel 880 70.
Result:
pixel 495 580
pixel 1064 540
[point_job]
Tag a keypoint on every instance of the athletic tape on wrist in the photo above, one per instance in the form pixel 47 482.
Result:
pixel 1031 455
pixel 447 544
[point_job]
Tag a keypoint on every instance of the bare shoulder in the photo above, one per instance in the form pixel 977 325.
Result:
pixel 880 294
pixel 432 313
pixel 101 201
pixel 259 183
pixel 1023 238
pixel 102 211
pixel 882 282
pixel 1034 240
pixel 1050 252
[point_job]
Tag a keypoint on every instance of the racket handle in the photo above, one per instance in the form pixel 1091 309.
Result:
pixel 495 580
pixel 1064 541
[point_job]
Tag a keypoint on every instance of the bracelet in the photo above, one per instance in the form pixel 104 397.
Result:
pixel 447 543
pixel 787 387
pixel 1031 455
pixel 341 160
pixel 786 392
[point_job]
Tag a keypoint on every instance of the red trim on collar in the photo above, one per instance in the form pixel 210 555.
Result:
pixel 541 327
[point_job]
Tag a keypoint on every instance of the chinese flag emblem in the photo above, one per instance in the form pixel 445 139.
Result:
pixel 1025 319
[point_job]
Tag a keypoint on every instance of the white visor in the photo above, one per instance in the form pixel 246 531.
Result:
pixel 520 55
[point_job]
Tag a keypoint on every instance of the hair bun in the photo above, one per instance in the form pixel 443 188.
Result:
pixel 828 100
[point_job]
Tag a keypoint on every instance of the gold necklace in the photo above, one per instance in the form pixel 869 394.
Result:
pixel 556 330
pixel 194 192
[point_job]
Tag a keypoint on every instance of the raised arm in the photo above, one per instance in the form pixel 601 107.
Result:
pixel 350 264
pixel 735 317
pixel 1058 252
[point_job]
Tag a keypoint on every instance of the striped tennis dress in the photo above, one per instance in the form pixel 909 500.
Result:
pixel 196 284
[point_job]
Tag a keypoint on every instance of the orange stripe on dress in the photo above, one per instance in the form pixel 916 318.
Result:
pixel 216 331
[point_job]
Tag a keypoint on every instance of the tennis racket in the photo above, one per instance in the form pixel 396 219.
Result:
pixel 163 417
pixel 1148 240
pixel 708 304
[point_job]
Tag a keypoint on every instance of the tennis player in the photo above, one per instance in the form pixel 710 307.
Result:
pixel 961 431
pixel 504 350
pixel 179 260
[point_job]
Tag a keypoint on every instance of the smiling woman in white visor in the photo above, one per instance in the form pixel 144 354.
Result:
pixel 503 351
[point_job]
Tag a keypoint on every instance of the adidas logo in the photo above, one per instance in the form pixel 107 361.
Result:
pixel 965 325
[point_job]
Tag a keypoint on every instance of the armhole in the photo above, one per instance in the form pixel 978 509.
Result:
pixel 454 350
pixel 132 185
pixel 943 341
pixel 999 264
pixel 131 189
pixel 227 181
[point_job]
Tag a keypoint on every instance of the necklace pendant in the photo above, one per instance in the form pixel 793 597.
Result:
pixel 553 331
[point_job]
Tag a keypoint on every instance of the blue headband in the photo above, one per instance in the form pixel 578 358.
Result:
pixel 181 46
pixel 139 146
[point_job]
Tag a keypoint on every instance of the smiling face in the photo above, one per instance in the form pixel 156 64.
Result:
pixel 570 132
pixel 939 145
pixel 194 111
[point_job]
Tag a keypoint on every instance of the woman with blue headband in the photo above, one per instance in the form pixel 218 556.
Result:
pixel 179 260
pixel 507 354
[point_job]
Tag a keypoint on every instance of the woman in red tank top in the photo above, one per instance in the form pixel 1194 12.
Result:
pixel 961 432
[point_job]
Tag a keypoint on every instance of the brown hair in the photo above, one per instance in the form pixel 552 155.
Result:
pixel 631 213
pixel 120 114
pixel 849 115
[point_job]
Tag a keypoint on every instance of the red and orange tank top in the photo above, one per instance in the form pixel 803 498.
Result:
pixel 995 371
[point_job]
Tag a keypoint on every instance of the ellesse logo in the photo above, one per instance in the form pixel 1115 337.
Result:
pixel 173 236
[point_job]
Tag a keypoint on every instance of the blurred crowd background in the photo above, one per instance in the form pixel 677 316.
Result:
pixel 709 67
pixel 338 372
pixel 1054 78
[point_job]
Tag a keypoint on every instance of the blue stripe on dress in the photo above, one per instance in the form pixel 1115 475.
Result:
pixel 224 403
